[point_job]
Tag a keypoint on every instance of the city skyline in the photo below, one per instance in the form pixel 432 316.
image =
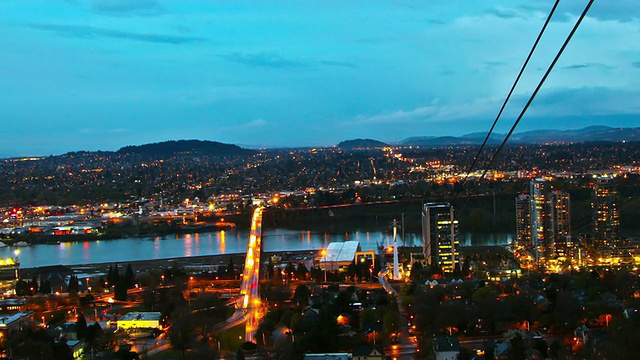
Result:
pixel 100 75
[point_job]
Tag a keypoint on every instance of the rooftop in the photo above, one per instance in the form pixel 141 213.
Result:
pixel 341 251
pixel 141 316
pixel 6 319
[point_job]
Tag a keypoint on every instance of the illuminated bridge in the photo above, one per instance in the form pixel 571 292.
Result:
pixel 248 306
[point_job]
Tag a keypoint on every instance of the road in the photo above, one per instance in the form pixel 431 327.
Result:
pixel 406 348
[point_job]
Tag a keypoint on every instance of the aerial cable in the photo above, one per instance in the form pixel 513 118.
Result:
pixel 506 100
pixel 532 97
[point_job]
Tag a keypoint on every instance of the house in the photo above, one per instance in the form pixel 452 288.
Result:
pixel 67 331
pixel 368 352
pixel 18 304
pixel 14 322
pixel 76 347
pixel 446 347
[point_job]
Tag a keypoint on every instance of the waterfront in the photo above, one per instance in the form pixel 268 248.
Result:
pixel 210 243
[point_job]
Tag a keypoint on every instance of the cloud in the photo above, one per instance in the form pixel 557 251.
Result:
pixel 434 112
pixel 339 63
pixel 263 60
pixel 81 31
pixel 253 124
pixel 596 100
pixel 494 64
pixel 619 10
pixel 576 66
pixel 88 131
pixel 504 14
pixel 588 65
pixel 127 7
pixel 256 123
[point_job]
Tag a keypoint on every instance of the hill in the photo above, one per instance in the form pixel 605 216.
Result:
pixel 588 134
pixel 361 143
pixel 186 147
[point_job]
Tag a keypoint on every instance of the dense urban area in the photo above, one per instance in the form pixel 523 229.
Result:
pixel 565 288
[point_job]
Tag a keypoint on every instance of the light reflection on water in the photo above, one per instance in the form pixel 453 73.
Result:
pixel 213 243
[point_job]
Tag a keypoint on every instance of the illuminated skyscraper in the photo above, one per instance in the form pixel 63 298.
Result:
pixel 523 222
pixel 440 236
pixel 540 225
pixel 561 223
pixel 545 228
pixel 606 217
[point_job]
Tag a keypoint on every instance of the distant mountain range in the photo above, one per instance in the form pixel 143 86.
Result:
pixel 588 134
pixel 217 149
pixel 186 147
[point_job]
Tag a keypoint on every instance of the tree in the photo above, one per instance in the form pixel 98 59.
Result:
pixel 352 270
pixel 368 317
pixel 94 337
pixel 466 268
pixel 391 322
pixel 290 270
pixel 113 275
pixel 120 291
pixel 81 326
pixel 231 271
pixel 270 269
pixel 182 332
pixel 517 348
pixel 417 271
pixel 322 337
pixel 129 277
pixel 301 271
pixel 240 355
pixel 451 315
pixel 45 287
pixel 73 286
pixel 34 284
pixel 301 295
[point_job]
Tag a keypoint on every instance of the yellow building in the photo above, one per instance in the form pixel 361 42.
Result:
pixel 140 320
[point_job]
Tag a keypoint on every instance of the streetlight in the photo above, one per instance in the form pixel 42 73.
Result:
pixel 190 280
pixel 324 267
pixel 162 279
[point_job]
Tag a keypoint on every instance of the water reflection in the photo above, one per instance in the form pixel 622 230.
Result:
pixel 218 242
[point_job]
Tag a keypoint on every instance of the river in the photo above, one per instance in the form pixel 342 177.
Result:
pixel 210 243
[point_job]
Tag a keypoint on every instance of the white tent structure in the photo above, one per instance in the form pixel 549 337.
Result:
pixel 339 254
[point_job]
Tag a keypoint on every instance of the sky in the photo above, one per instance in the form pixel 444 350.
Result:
pixel 102 74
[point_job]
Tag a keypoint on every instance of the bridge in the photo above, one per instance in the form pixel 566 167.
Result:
pixel 249 309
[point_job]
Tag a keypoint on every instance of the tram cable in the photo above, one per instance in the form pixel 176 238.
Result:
pixel 506 100
pixel 531 98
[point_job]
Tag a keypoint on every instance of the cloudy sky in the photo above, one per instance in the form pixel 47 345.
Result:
pixel 102 74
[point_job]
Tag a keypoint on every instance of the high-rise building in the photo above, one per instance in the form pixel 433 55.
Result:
pixel 440 236
pixel 606 217
pixel 523 222
pixel 540 224
pixel 543 221
pixel 561 223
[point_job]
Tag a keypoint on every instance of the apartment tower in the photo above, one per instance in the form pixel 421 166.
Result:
pixel 440 236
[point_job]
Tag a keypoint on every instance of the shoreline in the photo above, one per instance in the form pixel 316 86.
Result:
pixel 141 266
pixel 148 265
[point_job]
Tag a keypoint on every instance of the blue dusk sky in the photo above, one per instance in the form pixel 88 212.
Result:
pixel 102 74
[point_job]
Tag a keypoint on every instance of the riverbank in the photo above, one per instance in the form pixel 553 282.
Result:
pixel 158 265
